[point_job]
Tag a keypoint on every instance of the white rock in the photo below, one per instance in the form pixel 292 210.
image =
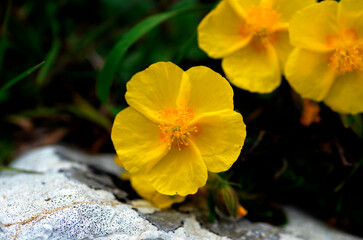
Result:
pixel 74 198
pixel 52 206
pixel 311 228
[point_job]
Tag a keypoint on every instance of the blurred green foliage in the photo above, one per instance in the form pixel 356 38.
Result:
pixel 72 40
pixel 101 44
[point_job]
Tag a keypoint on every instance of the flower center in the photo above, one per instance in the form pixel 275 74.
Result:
pixel 261 21
pixel 174 126
pixel 347 59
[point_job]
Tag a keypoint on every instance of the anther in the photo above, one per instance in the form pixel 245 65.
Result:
pixel 347 59
pixel 174 127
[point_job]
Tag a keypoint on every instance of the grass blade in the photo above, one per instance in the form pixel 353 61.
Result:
pixel 85 110
pixel 185 48
pixel 49 60
pixel 5 168
pixel 3 40
pixel 19 77
pixel 118 51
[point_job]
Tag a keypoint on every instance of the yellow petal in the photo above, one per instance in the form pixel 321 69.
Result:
pixel 125 175
pixel 242 6
pixel 221 138
pixel 219 32
pixel 312 27
pixel 180 172
pixel 282 46
pixel 253 69
pixel 209 91
pixel 118 161
pixel 287 8
pixel 309 73
pixel 155 89
pixel 137 141
pixel 346 94
pixel 350 16
pixel 142 186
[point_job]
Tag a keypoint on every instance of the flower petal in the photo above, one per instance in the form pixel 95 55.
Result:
pixel 142 186
pixel 346 94
pixel 287 8
pixel 242 6
pixel 221 138
pixel 312 27
pixel 209 91
pixel 137 141
pixel 309 73
pixel 219 32
pixel 180 172
pixel 155 89
pixel 253 69
pixel 282 46
pixel 350 16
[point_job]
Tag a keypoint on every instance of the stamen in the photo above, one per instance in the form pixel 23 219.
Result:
pixel 174 127
pixel 261 21
pixel 347 59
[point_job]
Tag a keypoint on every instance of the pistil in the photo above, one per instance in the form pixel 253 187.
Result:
pixel 175 129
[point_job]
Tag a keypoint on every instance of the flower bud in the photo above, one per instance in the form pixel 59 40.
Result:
pixel 226 201
pixel 241 211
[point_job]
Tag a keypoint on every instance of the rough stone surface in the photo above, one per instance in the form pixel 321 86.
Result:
pixel 304 225
pixel 77 196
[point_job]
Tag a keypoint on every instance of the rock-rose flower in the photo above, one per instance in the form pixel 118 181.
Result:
pixel 142 186
pixel 251 37
pixel 327 64
pixel 179 126
pixel 145 190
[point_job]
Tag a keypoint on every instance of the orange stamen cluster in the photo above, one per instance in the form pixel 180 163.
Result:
pixel 347 59
pixel 261 21
pixel 174 126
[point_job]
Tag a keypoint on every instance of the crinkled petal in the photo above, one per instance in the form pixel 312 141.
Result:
pixel 155 89
pixel 350 16
pixel 180 172
pixel 253 69
pixel 219 32
pixel 209 91
pixel 242 6
pixel 309 73
pixel 346 94
pixel 220 139
pixel 282 46
pixel 142 186
pixel 314 26
pixel 137 141
pixel 287 8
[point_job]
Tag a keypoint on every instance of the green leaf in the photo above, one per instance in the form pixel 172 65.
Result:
pixel 87 111
pixel 49 60
pixel 7 149
pixel 3 40
pixel 354 122
pixel 114 110
pixel 13 81
pixel 5 168
pixel 185 48
pixel 211 207
pixel 118 51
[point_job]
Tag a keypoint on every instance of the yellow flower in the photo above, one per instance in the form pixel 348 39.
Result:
pixel 141 185
pixel 178 126
pixel 327 64
pixel 251 36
